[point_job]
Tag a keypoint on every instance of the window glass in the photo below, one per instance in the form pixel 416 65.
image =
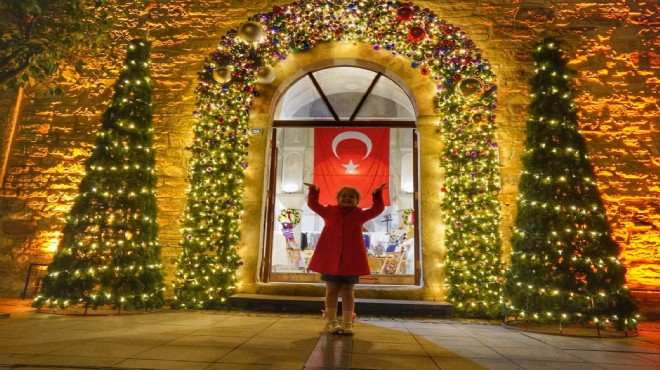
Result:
pixel 344 88
pixel 390 237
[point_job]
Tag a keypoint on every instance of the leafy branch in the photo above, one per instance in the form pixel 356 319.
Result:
pixel 41 40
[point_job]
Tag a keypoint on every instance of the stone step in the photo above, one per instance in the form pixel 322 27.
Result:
pixel 364 307
pixel 649 303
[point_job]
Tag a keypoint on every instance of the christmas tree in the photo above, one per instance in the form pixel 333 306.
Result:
pixel 564 264
pixel 109 253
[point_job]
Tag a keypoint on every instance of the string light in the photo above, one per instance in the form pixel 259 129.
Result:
pixel 109 252
pixel 562 249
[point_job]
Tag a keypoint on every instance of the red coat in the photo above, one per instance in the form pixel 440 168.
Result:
pixel 340 249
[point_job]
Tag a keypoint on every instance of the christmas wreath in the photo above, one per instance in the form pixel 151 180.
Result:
pixel 407 217
pixel 290 215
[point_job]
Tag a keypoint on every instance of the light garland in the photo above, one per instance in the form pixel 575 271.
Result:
pixel 109 252
pixel 466 95
pixel 564 266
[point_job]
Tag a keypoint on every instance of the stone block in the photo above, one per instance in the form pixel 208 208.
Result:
pixel 17 228
pixel 535 15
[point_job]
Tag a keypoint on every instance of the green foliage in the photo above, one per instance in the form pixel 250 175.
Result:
pixel 109 253
pixel 564 264
pixel 207 265
pixel 40 39
pixel 470 206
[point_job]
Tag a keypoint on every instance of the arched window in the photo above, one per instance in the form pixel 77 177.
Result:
pixel 345 94
pixel 347 102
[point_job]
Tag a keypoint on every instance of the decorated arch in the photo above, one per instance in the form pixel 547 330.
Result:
pixel 467 152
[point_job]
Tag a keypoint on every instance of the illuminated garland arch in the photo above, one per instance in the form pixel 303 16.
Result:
pixel 465 101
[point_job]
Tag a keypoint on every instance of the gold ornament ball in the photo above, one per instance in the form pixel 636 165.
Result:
pixel 470 87
pixel 251 33
pixel 265 75
pixel 222 75
pixel 477 117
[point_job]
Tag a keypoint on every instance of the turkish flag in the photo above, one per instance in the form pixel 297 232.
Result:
pixel 356 157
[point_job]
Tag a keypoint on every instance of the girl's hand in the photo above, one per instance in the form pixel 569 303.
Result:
pixel 380 188
pixel 311 186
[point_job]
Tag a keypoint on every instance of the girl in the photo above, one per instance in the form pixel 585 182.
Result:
pixel 340 255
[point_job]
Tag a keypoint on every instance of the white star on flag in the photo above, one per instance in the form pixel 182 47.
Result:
pixel 350 167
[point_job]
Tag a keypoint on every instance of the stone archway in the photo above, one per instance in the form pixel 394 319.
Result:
pixel 464 102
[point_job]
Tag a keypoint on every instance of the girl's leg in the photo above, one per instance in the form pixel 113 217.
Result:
pixel 347 306
pixel 331 298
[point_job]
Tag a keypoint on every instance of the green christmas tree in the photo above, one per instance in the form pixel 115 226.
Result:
pixel 564 266
pixel 207 264
pixel 109 253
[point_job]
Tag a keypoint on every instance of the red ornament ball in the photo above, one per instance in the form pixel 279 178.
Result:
pixel 404 14
pixel 416 34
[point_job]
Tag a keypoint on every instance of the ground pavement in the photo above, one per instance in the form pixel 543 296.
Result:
pixel 246 340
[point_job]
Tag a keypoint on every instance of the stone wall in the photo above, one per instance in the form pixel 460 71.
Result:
pixel 616 59
pixel 608 42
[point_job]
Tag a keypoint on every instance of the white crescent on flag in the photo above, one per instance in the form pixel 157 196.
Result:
pixel 352 135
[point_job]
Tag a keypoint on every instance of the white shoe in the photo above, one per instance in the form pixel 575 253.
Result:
pixel 333 327
pixel 349 328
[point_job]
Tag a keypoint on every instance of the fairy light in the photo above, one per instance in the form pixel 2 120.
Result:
pixel 108 253
pixel 561 245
